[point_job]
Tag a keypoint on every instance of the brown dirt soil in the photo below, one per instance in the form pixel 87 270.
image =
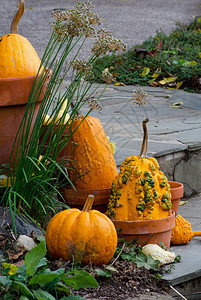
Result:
pixel 127 281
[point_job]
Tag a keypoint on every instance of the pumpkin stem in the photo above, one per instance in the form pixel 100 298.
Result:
pixel 17 17
pixel 197 233
pixel 145 138
pixel 88 203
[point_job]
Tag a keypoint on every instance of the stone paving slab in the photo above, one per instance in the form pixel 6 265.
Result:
pixel 190 266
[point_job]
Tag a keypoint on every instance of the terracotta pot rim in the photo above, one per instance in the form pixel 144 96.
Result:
pixel 146 226
pixel 22 77
pixel 78 197
pixel 146 221
pixel 16 91
pixel 17 78
pixel 85 190
pixel 176 189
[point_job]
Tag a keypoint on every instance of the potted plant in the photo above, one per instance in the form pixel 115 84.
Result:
pixel 140 201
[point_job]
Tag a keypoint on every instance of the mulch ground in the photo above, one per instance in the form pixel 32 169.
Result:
pixel 127 281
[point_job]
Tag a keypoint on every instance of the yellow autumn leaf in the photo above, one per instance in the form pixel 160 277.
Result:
pixel 182 202
pixel 178 84
pixel 145 71
pixel 47 120
pixel 113 147
pixel 120 83
pixel 190 63
pixel 177 104
pixel 13 268
pixel 200 54
pixel 156 73
pixel 7 181
pixel 168 80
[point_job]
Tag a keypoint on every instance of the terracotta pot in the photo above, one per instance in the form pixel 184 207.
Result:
pixel 77 199
pixel 177 190
pixel 147 231
pixel 14 95
pixel 65 152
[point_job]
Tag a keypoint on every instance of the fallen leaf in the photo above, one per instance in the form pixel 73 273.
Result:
pixel 156 73
pixel 13 255
pixel 182 202
pixel 177 104
pixel 19 263
pixel 178 84
pixel 154 83
pixel 145 71
pixel 120 83
pixel 158 47
pixel 168 80
pixel 190 63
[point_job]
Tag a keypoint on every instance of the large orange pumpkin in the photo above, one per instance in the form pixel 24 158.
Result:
pixel 18 57
pixel 141 191
pixel 92 161
pixel 86 236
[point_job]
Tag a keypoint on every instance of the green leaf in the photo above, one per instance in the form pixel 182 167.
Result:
pixel 32 258
pixel 63 288
pixel 23 298
pixel 9 296
pixel 47 278
pixel 146 261
pixel 23 289
pixel 43 295
pixel 72 297
pixel 101 272
pixel 110 268
pixel 80 279
pixel 5 281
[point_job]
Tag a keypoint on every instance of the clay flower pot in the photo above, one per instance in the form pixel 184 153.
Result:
pixel 177 190
pixel 14 95
pixel 77 198
pixel 147 231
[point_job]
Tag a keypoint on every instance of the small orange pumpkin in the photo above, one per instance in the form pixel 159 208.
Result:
pixel 140 191
pixel 182 233
pixel 92 160
pixel 18 57
pixel 86 236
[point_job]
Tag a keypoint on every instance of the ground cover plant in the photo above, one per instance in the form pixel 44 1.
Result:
pixel 172 61
pixel 34 275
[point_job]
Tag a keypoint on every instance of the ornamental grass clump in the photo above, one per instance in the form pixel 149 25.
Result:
pixel 34 178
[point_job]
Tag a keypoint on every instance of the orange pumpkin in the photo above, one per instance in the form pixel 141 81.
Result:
pixel 18 57
pixel 182 233
pixel 86 236
pixel 140 191
pixel 92 160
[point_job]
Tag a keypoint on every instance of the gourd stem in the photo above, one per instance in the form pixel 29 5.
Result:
pixel 17 17
pixel 197 233
pixel 145 138
pixel 88 203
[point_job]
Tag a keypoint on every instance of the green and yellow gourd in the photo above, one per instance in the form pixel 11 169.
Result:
pixel 141 191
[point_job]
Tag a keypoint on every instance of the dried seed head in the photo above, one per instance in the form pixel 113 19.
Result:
pixel 108 77
pixel 139 97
